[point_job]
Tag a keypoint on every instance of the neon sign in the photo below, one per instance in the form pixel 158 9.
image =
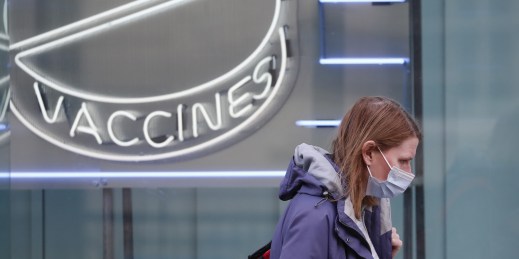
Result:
pixel 194 121
pixel 5 95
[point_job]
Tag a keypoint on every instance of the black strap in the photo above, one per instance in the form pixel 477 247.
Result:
pixel 260 252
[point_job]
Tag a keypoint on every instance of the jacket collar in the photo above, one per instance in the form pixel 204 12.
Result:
pixel 311 171
pixel 350 233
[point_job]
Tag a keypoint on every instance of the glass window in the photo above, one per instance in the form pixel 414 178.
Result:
pixel 470 119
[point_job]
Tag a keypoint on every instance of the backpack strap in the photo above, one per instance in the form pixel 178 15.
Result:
pixel 262 253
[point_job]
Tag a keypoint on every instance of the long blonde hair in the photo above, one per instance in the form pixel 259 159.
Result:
pixel 375 118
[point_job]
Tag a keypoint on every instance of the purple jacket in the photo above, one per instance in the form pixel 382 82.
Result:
pixel 315 223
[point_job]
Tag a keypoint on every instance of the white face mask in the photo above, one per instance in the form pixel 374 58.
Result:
pixel 397 182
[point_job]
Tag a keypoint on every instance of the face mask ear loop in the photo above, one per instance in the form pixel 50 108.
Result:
pixel 369 171
pixel 390 167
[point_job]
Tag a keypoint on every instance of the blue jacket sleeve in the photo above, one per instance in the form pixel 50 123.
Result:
pixel 304 230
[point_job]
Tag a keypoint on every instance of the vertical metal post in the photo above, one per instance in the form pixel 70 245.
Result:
pixel 415 16
pixel 127 223
pixel 108 223
pixel 43 224
pixel 408 223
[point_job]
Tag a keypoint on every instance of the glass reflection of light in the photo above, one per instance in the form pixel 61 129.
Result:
pixel 317 123
pixel 362 1
pixel 363 61
pixel 187 174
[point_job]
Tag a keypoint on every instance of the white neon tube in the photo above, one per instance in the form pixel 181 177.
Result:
pixel 362 1
pixel 4 79
pixel 5 136
pixel 5 105
pixel 363 61
pixel 318 123
pixel 75 25
pixel 184 175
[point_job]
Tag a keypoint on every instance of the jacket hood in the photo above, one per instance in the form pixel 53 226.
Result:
pixel 311 171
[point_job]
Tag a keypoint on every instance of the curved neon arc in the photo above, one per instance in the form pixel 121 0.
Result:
pixel 4 80
pixel 84 22
pixel 129 158
pixel 3 109
pixel 4 137
pixel 150 99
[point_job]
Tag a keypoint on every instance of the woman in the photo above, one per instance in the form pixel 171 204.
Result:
pixel 339 204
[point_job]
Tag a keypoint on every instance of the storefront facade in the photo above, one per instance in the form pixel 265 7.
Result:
pixel 161 129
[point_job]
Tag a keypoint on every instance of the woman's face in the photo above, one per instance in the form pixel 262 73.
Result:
pixel 399 156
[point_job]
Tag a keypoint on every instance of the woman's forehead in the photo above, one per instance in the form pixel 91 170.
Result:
pixel 407 148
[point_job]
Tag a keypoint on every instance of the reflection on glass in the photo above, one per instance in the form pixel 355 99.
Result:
pixel 4 135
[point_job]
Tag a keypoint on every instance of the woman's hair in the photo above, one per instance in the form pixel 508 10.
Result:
pixel 375 118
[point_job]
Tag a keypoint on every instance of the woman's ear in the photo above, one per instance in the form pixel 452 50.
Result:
pixel 367 151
